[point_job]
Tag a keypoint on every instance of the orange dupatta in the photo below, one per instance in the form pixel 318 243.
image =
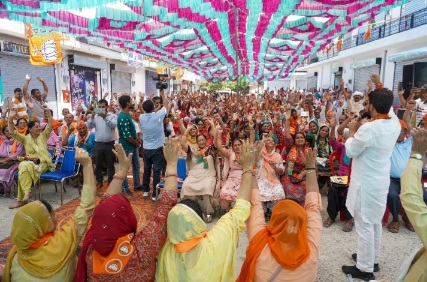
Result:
pixel 286 235
pixel 266 159
pixel 23 131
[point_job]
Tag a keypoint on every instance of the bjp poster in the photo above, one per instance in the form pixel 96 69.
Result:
pixel 84 86
pixel 45 48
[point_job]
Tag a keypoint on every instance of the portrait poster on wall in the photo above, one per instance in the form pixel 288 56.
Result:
pixel 84 86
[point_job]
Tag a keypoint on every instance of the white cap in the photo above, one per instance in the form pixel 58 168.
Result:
pixel 357 93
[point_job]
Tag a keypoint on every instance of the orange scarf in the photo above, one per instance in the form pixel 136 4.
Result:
pixel 41 241
pixel 269 170
pixel 22 130
pixel 116 261
pixel 185 246
pixel 286 236
pixel 83 139
pixel 381 116
pixel 65 128
pixel 14 147
pixel 56 124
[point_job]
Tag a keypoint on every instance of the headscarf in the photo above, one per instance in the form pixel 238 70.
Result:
pixel 185 230
pixel 286 236
pixel 295 155
pixel 193 139
pixel 40 252
pixel 112 219
pixel 311 137
pixel 267 171
pixel 325 150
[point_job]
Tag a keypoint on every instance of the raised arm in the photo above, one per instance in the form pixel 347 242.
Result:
pixel 288 135
pixel 25 87
pixel 343 126
pixel 333 124
pixel 248 157
pixel 310 167
pixel 184 144
pixel 125 162
pixel 347 95
pixel 171 152
pixel 410 107
pixel 218 144
pixel 165 100
pixel 412 192
pixel 49 115
pixel 45 89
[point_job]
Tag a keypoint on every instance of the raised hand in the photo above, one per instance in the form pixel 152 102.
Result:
pixel 248 155
pixel 420 141
pixel 171 151
pixel 370 84
pixel 124 161
pixel 375 77
pixel 333 121
pixel 82 157
pixel 310 158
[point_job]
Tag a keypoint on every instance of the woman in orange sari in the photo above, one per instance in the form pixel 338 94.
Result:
pixel 288 248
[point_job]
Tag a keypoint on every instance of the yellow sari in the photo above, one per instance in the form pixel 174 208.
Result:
pixel 212 257
pixel 30 224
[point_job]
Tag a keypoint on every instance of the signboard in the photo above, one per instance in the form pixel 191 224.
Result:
pixel 135 60
pixel 15 48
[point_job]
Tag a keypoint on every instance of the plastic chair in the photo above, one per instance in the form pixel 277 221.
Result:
pixel 69 168
pixel 182 174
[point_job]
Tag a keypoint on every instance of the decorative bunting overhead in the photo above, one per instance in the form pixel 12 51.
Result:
pixel 217 39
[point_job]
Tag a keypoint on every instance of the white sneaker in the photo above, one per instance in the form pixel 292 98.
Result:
pixel 146 194
pixel 158 197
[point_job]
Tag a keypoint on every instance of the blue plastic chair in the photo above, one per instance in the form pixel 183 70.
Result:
pixel 69 168
pixel 182 174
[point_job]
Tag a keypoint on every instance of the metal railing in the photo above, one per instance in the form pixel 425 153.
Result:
pixel 378 31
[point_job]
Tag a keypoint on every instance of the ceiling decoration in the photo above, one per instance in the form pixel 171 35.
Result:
pixel 216 39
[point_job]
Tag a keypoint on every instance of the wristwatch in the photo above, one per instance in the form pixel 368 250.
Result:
pixel 417 157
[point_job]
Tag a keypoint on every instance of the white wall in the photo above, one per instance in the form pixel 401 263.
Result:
pixel 383 48
pixel 139 78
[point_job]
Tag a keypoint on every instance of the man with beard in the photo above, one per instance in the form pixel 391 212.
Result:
pixel 370 146
pixel 84 139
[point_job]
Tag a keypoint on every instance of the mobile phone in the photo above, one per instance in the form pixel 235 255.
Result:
pixel 399 86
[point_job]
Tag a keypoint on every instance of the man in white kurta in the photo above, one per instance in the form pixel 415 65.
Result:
pixel 370 147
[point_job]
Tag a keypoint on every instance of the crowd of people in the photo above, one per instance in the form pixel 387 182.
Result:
pixel 252 162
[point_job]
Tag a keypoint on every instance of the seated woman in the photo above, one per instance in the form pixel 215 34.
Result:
pixel 269 169
pixel 9 150
pixel 324 152
pixel 41 252
pixel 22 126
pixel 191 253
pixel 288 248
pixel 337 196
pixel 38 158
pixel 114 225
pixel 201 178
pixel 231 185
pixel 294 179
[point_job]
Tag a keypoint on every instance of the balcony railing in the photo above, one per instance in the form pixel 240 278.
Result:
pixel 378 31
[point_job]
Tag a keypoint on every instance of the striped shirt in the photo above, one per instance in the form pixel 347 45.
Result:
pixel 20 108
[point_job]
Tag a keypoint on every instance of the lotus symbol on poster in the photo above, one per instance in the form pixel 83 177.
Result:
pixel 48 50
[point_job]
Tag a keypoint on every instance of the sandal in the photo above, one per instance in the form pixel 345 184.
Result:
pixel 328 222
pixel 393 227
pixel 348 226
pixel 407 223
pixel 18 204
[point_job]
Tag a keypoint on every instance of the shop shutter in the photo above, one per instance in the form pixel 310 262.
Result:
pixel 311 83
pixel 150 84
pixel 301 84
pixel 361 77
pixel 13 71
pixel 121 82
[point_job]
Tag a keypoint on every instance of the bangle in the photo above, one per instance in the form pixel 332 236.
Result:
pixel 171 175
pixel 122 178
pixel 310 171
pixel 310 168
pixel 249 171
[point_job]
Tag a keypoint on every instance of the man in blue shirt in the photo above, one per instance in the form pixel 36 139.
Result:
pixel 82 139
pixel 153 141
pixel 399 159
